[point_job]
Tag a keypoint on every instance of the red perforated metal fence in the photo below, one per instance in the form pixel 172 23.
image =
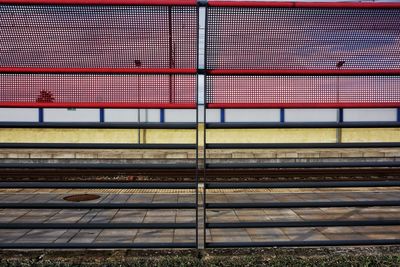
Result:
pixel 98 90
pixel 99 43
pixel 302 38
pixel 152 37
pixel 311 39
pixel 303 91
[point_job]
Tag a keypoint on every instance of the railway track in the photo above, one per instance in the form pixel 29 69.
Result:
pixel 187 174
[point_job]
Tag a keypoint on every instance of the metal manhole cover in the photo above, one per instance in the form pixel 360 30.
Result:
pixel 81 197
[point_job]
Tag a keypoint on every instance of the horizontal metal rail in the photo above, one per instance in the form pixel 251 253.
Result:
pixel 291 4
pixel 99 71
pixel 96 146
pixel 299 125
pixel 292 224
pixel 305 204
pixel 98 185
pixel 308 165
pixel 299 145
pixel 102 166
pixel 294 243
pixel 146 105
pixel 304 72
pixel 350 105
pixel 115 245
pixel 327 184
pixel 97 226
pixel 97 206
pixel 99 125
pixel 100 2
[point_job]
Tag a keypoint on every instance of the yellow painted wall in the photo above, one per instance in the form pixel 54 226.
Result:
pixel 371 135
pixel 188 136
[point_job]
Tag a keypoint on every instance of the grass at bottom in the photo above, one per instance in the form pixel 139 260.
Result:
pixel 210 260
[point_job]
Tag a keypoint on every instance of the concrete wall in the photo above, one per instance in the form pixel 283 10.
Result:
pixel 188 136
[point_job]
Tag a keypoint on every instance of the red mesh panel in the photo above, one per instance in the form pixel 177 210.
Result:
pixel 303 91
pixel 302 38
pixel 98 36
pixel 98 90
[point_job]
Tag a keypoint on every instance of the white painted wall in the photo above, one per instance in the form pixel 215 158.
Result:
pixel 311 115
pixel 368 114
pixel 120 115
pixel 71 115
pixel 19 114
pixel 131 115
pixel 253 115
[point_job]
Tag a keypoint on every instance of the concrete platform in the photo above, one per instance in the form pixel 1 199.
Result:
pixel 183 235
pixel 127 154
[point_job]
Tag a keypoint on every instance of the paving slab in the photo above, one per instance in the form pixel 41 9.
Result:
pixel 213 215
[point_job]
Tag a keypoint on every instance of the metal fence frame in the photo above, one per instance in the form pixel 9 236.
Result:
pixel 96 185
pixel 195 166
pixel 273 166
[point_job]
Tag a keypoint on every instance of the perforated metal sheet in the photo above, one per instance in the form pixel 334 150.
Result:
pixel 302 38
pixel 98 90
pixel 84 36
pixel 303 91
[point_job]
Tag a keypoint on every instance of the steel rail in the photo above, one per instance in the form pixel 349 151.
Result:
pixel 299 125
pixel 99 125
pixel 98 225
pixel 295 224
pixel 299 145
pixel 326 184
pixel 95 146
pixel 97 205
pixel 294 243
pixel 98 185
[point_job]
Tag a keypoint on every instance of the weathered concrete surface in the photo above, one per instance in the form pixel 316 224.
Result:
pixel 216 235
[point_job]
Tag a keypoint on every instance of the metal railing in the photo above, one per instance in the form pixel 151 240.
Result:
pixel 290 185
pixel 208 71
pixel 103 185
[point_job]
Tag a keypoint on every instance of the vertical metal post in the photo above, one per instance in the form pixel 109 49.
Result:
pixel 339 130
pixel 205 130
pixel 222 113
pixel 101 115
pixel 339 64
pixel 162 115
pixel 197 130
pixel 138 63
pixel 41 115
pixel 398 114
pixel 282 115
pixel 171 54
pixel 138 118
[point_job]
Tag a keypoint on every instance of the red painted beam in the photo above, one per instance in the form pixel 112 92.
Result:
pixel 103 2
pixel 97 105
pixel 97 70
pixel 304 105
pixel 306 72
pixel 349 5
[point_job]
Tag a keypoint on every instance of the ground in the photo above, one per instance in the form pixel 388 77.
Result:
pixel 187 235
